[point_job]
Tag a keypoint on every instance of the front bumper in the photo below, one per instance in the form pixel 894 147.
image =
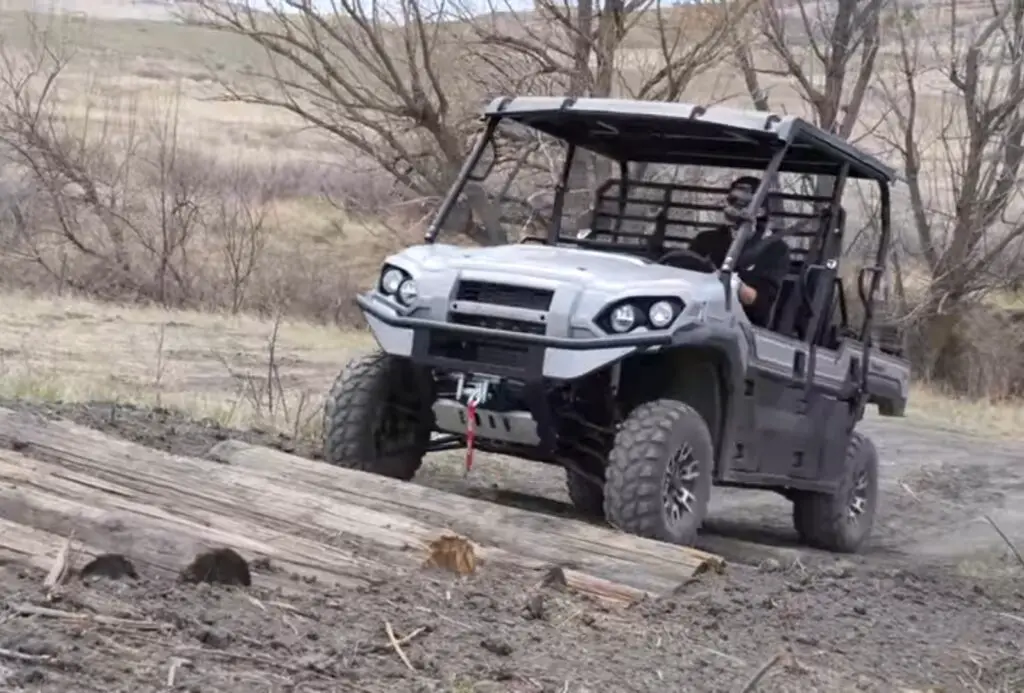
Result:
pixel 497 352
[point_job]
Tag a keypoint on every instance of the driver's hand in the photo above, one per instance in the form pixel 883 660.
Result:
pixel 747 294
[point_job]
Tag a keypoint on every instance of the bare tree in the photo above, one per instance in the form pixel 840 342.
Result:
pixel 388 81
pixel 400 84
pixel 827 48
pixel 956 91
pixel 108 206
pixel 237 221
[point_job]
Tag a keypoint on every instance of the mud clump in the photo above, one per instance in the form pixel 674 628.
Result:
pixel 109 565
pixel 217 567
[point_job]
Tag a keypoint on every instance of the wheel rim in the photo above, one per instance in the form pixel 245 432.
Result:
pixel 681 475
pixel 858 498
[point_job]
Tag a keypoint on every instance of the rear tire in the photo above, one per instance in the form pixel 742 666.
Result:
pixel 376 418
pixel 842 523
pixel 658 480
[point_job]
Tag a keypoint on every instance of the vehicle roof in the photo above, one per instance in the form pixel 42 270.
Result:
pixel 660 132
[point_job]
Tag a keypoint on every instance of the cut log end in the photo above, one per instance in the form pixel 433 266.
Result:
pixel 220 567
pixel 452 553
pixel 109 565
pixel 710 563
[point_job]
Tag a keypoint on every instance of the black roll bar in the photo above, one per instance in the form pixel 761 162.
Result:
pixel 867 294
pixel 558 203
pixel 460 180
pixel 750 216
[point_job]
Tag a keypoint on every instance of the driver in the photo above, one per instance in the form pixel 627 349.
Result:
pixel 764 259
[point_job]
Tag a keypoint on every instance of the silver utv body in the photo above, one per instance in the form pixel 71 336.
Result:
pixel 572 287
pixel 511 348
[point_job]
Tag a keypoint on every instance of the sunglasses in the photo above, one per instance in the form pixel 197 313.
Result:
pixel 739 198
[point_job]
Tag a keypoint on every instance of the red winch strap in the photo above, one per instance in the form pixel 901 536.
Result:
pixel 470 432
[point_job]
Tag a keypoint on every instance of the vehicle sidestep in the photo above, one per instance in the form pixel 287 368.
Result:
pixel 373 421
pixel 660 444
pixel 829 522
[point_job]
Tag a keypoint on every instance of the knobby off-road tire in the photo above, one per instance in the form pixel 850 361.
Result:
pixel 586 496
pixel 374 419
pixel 661 447
pixel 842 522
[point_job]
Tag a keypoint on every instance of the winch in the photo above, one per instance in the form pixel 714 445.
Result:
pixel 488 407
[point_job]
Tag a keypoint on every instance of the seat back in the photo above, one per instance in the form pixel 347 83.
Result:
pixel 649 218
pixel 807 290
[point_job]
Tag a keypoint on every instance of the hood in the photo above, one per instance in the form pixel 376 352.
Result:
pixel 596 269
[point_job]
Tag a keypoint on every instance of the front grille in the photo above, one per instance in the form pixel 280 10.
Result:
pixel 480 352
pixel 504 295
pixel 493 323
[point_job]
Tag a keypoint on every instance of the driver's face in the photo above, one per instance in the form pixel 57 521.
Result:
pixel 740 196
pixel 736 201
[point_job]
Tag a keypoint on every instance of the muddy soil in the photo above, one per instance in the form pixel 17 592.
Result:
pixel 936 601
pixel 840 628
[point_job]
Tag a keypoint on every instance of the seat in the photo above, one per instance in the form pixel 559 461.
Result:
pixel 818 279
pixel 792 313
pixel 783 316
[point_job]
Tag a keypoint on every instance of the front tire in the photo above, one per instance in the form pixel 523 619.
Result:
pixel 842 522
pixel 658 480
pixel 376 417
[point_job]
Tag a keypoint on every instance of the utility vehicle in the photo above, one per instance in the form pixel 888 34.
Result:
pixel 623 357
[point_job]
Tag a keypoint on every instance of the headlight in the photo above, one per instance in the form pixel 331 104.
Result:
pixel 623 318
pixel 391 280
pixel 661 314
pixel 652 312
pixel 408 292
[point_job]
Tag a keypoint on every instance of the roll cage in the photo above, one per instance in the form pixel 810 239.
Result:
pixel 650 132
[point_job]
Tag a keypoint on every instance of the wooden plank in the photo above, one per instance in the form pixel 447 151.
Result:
pixel 346 520
pixel 45 505
pixel 103 495
pixel 596 550
pixel 610 592
pixel 227 510
pixel 35 547
pixel 116 502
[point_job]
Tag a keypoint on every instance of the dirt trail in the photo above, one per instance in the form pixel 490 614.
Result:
pixel 912 612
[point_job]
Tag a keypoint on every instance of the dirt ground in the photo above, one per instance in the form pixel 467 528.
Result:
pixel 936 602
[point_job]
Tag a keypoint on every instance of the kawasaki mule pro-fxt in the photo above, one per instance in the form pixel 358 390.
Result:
pixel 623 357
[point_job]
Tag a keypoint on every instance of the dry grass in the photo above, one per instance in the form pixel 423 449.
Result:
pixel 207 364
pixel 935 408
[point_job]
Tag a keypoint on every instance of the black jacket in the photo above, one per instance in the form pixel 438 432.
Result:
pixel 762 265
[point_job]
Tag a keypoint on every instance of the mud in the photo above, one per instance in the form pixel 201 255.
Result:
pixel 937 601
pixel 838 628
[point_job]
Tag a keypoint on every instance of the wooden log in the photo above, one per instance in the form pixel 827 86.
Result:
pixel 648 565
pixel 337 521
pixel 39 505
pixel 604 590
pixel 31 546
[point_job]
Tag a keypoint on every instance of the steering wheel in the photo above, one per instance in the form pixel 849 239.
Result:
pixel 690 260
